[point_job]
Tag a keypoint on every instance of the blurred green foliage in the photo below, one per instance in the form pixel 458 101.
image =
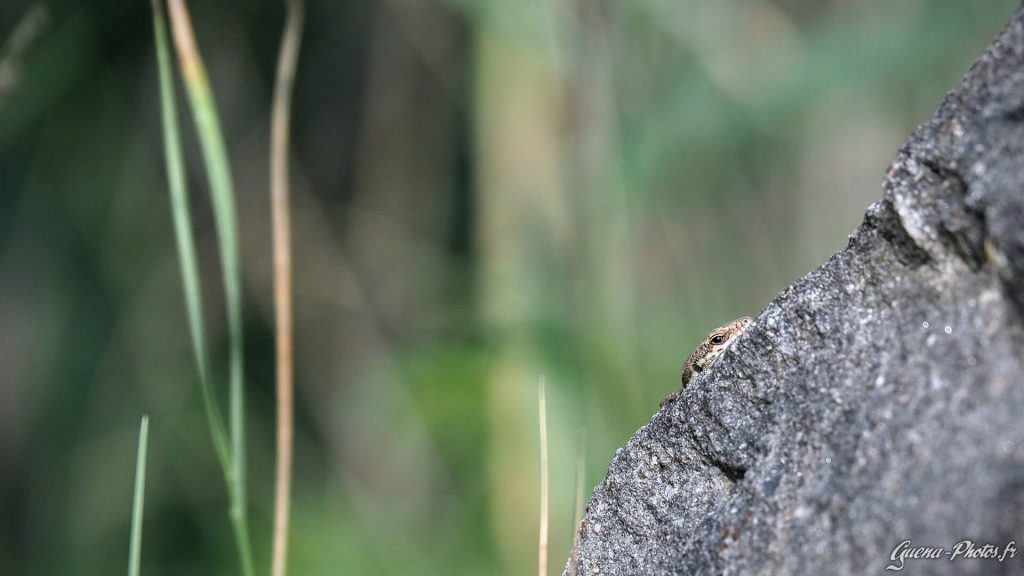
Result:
pixel 485 191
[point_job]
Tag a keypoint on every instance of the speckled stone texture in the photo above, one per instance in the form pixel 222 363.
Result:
pixel 876 400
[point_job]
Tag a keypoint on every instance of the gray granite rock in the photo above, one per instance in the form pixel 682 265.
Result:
pixel 878 399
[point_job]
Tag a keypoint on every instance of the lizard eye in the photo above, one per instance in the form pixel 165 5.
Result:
pixel 717 339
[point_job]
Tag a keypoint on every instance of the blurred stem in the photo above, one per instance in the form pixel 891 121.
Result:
pixel 581 472
pixel 218 172
pixel 138 500
pixel 542 554
pixel 572 568
pixel 281 215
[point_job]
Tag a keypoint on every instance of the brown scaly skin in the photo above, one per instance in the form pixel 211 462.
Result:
pixel 709 350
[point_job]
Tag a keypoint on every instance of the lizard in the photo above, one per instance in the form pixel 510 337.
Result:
pixel 713 345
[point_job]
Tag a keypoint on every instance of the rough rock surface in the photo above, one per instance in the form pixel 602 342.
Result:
pixel 878 399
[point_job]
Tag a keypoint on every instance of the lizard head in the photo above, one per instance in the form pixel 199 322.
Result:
pixel 720 338
pixel 716 342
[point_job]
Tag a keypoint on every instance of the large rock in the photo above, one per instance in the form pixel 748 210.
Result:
pixel 877 400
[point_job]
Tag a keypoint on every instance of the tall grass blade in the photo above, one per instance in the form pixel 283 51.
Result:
pixel 218 172
pixel 183 235
pixel 219 176
pixel 138 499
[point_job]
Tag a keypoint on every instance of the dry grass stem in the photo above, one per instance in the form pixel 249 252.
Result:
pixel 281 216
